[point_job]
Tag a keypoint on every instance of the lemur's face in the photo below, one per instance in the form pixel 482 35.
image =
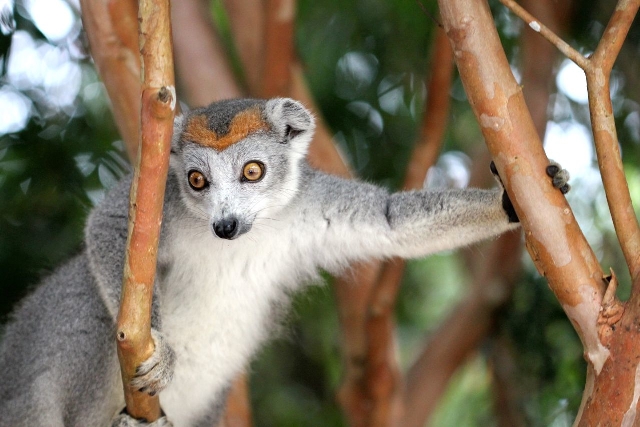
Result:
pixel 238 161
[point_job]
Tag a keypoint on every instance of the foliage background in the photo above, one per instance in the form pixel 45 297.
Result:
pixel 365 61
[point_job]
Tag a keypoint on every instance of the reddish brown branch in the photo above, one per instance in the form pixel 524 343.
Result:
pixel 158 104
pixel 203 69
pixel 278 53
pixel 112 30
pixel 238 411
pixel 383 381
pixel 247 20
pixel 506 389
pixel 614 34
pixel 598 71
pixel 553 237
pixel 353 289
pixel 353 293
pixel 323 153
pixel 605 134
pixel 436 117
pixel 282 75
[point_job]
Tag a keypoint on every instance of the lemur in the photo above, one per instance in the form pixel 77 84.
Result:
pixel 246 222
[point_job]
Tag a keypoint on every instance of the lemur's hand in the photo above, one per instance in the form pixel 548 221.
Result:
pixel 559 178
pixel 506 202
pixel 155 373
pixel 125 420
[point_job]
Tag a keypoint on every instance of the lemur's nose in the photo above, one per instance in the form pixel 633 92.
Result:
pixel 226 228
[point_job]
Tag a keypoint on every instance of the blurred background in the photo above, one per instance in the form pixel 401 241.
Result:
pixel 365 62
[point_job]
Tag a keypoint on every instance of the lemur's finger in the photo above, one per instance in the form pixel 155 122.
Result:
pixel 559 177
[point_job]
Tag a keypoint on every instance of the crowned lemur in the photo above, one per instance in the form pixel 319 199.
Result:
pixel 246 221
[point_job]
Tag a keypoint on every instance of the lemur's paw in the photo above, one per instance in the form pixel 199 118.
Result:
pixel 506 201
pixel 559 177
pixel 125 420
pixel 155 373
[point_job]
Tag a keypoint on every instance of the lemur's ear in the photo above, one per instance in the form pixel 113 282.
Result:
pixel 178 124
pixel 290 119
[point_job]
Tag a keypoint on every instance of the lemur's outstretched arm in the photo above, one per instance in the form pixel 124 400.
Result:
pixel 359 220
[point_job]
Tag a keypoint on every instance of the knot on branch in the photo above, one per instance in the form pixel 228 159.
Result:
pixel 161 102
pixel 611 310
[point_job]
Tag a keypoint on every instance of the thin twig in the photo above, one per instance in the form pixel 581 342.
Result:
pixel 545 32
pixel 606 139
pixel 615 33
pixel 429 14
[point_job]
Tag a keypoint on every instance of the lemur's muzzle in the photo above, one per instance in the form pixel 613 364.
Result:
pixel 227 228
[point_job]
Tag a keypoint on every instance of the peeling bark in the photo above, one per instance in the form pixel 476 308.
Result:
pixel 553 237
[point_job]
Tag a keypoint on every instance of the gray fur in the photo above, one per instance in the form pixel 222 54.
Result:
pixel 214 298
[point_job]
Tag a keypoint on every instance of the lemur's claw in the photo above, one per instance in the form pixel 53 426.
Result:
pixel 493 168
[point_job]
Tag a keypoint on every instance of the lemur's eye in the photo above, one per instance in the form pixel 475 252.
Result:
pixel 253 171
pixel 197 181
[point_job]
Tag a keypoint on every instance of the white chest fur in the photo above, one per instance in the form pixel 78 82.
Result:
pixel 216 301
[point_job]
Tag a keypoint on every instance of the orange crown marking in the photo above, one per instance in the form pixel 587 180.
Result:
pixel 243 124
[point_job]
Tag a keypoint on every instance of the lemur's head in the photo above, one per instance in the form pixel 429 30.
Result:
pixel 239 160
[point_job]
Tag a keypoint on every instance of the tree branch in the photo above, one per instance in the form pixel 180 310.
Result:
pixel 203 69
pixel 554 240
pixel 539 58
pixel 598 73
pixel 147 197
pixel 278 49
pixel 436 113
pixel 383 380
pixel 323 152
pixel 506 389
pixel 112 30
pixel 238 412
pixel 545 32
pixel 606 139
pixel 614 34
pixel 463 330
pixel 247 21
